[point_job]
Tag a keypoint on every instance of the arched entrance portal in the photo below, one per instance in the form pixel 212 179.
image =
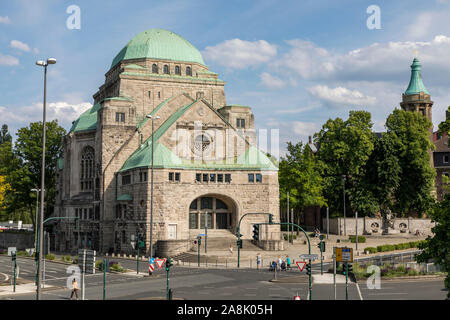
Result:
pixel 217 212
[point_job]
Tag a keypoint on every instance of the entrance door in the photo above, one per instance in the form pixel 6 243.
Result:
pixel 221 221
pixel 172 232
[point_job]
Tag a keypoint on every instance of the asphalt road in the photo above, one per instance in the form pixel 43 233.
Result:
pixel 215 284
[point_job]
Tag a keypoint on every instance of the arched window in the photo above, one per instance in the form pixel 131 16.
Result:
pixel 177 70
pixel 188 71
pixel 87 169
pixel 166 69
pixel 155 68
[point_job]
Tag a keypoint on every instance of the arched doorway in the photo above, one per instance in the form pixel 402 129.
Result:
pixel 217 212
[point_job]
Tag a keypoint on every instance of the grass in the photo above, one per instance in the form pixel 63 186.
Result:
pixel 387 271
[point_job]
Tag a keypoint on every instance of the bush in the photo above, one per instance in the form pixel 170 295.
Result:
pixel 370 250
pixel 22 253
pixel 116 267
pixel 50 256
pixel 361 239
pixel 67 259
pixel 290 237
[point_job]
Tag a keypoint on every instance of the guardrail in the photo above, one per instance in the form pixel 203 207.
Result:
pixel 392 258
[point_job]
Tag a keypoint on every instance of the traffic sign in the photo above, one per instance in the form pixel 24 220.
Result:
pixel 151 260
pixel 298 263
pixel 202 235
pixel 11 250
pixel 297 297
pixel 150 268
pixel 30 251
pixel 160 262
pixel 344 255
pixel 309 256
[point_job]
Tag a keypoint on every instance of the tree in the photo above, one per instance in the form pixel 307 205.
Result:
pixel 300 174
pixel 4 135
pixel 383 171
pixel 24 167
pixel 444 126
pixel 410 134
pixel 345 147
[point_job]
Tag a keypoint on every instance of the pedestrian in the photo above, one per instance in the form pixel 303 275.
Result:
pixel 316 233
pixel 258 260
pixel 280 261
pixel 288 262
pixel 74 289
pixel 231 250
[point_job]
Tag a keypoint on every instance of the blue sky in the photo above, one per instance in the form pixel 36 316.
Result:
pixel 296 63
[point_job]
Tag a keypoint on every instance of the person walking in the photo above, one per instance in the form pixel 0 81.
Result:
pixel 258 260
pixel 288 262
pixel 231 250
pixel 280 261
pixel 74 289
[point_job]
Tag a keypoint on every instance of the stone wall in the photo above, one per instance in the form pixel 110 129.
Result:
pixel 375 226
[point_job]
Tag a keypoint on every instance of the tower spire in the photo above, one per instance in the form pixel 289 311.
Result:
pixel 415 83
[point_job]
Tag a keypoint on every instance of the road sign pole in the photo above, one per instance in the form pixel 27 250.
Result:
pixel 82 272
pixel 167 287
pixel 198 255
pixel 356 225
pixel 334 271
pixel 310 282
pixel 137 267
pixel 239 247
pixel 15 270
pixel 206 232
pixel 105 265
pixel 346 280
pixel 321 258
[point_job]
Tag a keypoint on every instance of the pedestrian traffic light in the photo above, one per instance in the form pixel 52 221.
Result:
pixel 321 246
pixel 308 269
pixel 270 218
pixel 256 232
pixel 199 239
pixel 239 243
pixel 13 256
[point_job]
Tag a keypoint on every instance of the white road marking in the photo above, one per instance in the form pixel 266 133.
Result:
pixel 386 293
pixel 359 292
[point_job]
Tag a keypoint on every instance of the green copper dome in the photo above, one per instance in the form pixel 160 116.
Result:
pixel 159 44
pixel 415 84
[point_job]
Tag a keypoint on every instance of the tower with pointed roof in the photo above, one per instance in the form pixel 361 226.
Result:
pixel 416 97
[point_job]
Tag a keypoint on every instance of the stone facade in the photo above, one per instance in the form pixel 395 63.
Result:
pixel 105 176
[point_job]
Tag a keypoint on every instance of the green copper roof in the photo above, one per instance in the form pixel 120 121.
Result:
pixel 252 159
pixel 415 84
pixel 87 121
pixel 159 44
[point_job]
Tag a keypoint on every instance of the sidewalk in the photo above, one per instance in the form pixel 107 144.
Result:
pixel 21 288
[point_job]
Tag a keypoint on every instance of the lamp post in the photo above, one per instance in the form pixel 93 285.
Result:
pixel 41 218
pixel 151 196
pixel 343 194
pixel 36 218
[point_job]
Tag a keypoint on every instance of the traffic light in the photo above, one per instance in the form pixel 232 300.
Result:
pixel 321 246
pixel 169 263
pixel 256 232
pixel 140 240
pixel 350 268
pixel 13 256
pixel 308 269
pixel 199 239
pixel 270 218
pixel 239 243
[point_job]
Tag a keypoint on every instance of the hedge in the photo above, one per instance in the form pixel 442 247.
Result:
pixel 361 239
pixel 393 247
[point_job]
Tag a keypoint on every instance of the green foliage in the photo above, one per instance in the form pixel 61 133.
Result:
pixel 67 259
pixel 370 250
pixel 116 267
pixel 410 132
pixel 50 256
pixel 22 253
pixel 444 126
pixel 22 167
pixel 361 239
pixel 345 147
pixel 438 246
pixel 300 174
pixel 290 237
pixel 4 134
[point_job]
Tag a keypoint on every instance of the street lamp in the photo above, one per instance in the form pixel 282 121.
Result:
pixel 149 116
pixel 36 218
pixel 345 226
pixel 41 218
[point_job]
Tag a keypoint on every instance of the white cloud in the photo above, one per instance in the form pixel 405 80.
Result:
pixel 341 96
pixel 8 60
pixel 5 20
pixel 272 82
pixel 16 44
pixel 240 54
pixel 64 112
